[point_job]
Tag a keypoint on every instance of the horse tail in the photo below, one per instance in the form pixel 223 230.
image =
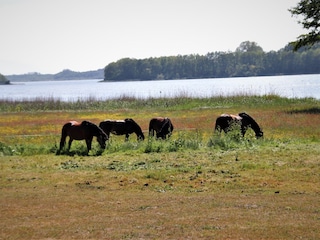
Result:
pixel 217 127
pixel 64 134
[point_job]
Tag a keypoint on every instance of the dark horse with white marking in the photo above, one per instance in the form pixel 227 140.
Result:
pixel 225 122
pixel 162 126
pixel 82 131
pixel 122 127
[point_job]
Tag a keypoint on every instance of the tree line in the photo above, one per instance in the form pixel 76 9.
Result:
pixel 248 59
pixel 63 75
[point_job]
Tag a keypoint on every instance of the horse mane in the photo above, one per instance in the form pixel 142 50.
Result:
pixel 254 125
pixel 136 125
pixel 87 123
pixel 131 121
pixel 167 125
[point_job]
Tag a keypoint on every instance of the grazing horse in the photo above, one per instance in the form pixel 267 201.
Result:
pixel 82 131
pixel 162 126
pixel 122 127
pixel 225 122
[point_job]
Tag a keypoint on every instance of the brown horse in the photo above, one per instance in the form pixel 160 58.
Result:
pixel 162 126
pixel 82 131
pixel 122 127
pixel 225 122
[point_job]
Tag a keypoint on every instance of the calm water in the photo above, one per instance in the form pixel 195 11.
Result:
pixel 296 86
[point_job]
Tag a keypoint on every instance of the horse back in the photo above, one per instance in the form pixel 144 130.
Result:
pixel 230 117
pixel 117 127
pixel 156 123
pixel 73 123
pixel 106 126
pixel 74 130
pixel 67 126
pixel 224 121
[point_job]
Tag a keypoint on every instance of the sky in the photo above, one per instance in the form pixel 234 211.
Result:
pixel 48 36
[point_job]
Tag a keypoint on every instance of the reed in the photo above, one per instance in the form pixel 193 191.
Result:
pixel 177 102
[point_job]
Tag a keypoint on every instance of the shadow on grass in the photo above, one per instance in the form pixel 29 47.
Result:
pixel 314 110
pixel 80 152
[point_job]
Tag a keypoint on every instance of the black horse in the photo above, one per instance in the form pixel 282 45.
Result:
pixel 226 122
pixel 122 127
pixel 82 131
pixel 162 126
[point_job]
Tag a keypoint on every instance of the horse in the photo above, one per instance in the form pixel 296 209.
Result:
pixel 82 131
pixel 225 122
pixel 162 126
pixel 122 127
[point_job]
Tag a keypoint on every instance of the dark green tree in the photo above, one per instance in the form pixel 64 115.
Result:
pixel 4 80
pixel 309 10
pixel 248 46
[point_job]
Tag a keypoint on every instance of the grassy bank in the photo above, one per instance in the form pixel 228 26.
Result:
pixel 195 185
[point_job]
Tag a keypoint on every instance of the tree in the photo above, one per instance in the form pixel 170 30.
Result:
pixel 310 12
pixel 248 46
pixel 4 80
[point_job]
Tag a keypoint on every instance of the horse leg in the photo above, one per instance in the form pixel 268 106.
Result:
pixel 69 144
pixel 127 137
pixel 243 131
pixel 151 133
pixel 89 143
pixel 62 142
pixel 64 134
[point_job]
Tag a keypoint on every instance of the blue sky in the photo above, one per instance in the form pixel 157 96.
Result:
pixel 48 36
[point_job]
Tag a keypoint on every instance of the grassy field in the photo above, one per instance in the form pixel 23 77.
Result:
pixel 196 185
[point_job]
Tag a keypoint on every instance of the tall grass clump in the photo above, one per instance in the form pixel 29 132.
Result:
pixel 120 146
pixel 180 142
pixel 233 139
pixel 6 150
pixel 26 149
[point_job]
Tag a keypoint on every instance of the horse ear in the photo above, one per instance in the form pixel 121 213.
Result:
pixel 243 114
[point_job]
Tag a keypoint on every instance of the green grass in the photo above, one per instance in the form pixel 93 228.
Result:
pixel 195 184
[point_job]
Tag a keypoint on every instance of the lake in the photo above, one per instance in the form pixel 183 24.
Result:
pixel 294 86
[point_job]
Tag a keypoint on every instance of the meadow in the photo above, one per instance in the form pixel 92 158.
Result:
pixel 195 185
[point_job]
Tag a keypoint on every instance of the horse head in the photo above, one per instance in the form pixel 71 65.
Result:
pixel 134 127
pixel 259 134
pixel 102 138
pixel 98 132
pixel 252 123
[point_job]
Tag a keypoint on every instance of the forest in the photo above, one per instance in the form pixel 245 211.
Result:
pixel 248 59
